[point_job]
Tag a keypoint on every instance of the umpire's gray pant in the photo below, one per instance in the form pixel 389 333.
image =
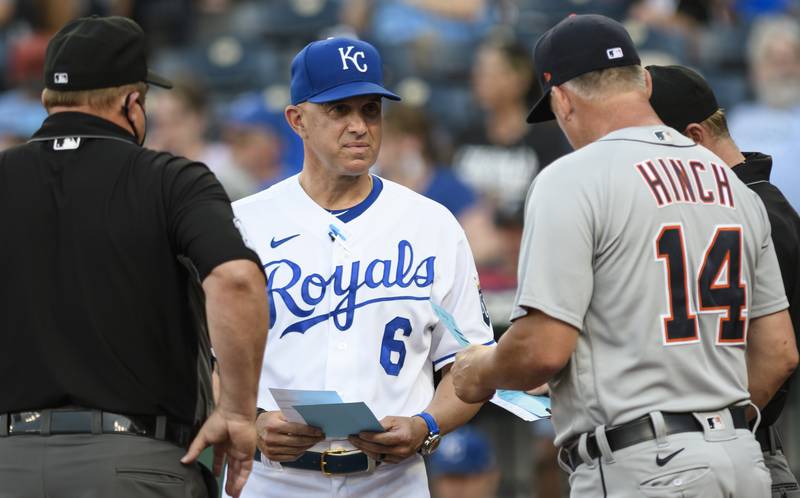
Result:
pixel 95 466
pixel 723 463
pixel 784 484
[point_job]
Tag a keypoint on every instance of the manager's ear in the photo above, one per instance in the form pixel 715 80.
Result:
pixel 561 103
pixel 648 83
pixel 697 133
pixel 295 117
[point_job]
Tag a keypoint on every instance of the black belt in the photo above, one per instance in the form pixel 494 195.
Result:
pixel 332 462
pixel 87 421
pixel 769 439
pixel 641 430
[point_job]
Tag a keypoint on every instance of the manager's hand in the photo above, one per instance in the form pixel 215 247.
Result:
pixel 284 441
pixel 402 439
pixel 233 436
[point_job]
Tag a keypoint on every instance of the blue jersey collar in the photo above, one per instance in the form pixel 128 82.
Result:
pixel 349 214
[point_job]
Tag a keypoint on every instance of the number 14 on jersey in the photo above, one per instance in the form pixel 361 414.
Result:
pixel 720 288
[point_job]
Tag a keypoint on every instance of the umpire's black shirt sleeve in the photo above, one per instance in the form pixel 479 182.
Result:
pixel 200 218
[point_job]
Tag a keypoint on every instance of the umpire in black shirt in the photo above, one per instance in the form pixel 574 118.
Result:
pixel 685 102
pixel 116 265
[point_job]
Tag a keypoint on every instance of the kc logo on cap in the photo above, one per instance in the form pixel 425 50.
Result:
pixel 337 69
pixel 352 58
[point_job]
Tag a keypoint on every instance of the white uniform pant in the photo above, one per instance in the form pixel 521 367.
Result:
pixel 725 464
pixel 404 480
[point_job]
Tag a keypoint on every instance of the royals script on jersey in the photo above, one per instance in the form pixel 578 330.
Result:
pixel 350 293
pixel 659 255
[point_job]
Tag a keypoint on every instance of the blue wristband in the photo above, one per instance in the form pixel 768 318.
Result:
pixel 433 427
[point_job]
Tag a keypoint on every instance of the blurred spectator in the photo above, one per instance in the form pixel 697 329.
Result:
pixel 464 466
pixel 179 122
pixel 772 122
pixel 255 136
pixel 431 38
pixel 503 154
pixel 21 111
pixel 407 157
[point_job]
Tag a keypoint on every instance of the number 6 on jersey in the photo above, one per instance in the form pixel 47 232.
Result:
pixel 720 287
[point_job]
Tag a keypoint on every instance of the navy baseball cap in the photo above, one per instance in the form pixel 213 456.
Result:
pixel 577 45
pixel 98 52
pixel 336 69
pixel 681 96
pixel 463 452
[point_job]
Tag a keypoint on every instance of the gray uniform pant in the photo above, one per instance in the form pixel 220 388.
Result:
pixel 96 466
pixel 784 484
pixel 721 463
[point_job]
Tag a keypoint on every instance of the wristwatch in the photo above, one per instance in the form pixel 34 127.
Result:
pixel 433 438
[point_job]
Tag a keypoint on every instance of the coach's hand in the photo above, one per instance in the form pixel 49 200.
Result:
pixel 468 377
pixel 233 436
pixel 284 441
pixel 402 439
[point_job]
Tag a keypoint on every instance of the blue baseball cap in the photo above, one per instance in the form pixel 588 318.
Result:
pixel 251 110
pixel 336 69
pixel 463 452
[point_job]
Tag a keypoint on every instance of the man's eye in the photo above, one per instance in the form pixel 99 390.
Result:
pixel 339 109
pixel 372 109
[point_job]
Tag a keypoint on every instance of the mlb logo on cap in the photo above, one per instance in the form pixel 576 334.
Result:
pixel 336 69
pixel 578 45
pixel 61 78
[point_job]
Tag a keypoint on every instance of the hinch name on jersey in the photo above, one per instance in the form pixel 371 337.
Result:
pixel 671 181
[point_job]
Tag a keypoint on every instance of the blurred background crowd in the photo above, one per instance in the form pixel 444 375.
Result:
pixel 465 71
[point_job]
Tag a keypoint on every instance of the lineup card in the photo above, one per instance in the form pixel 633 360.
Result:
pixel 523 405
pixel 326 410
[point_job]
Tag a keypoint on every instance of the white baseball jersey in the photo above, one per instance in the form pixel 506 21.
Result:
pixel 350 296
pixel 659 255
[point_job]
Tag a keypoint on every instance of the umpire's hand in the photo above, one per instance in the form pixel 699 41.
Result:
pixel 232 435
pixel 284 441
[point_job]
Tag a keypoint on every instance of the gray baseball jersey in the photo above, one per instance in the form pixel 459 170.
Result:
pixel 659 255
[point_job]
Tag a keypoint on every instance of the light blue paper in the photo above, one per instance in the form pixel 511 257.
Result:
pixel 538 406
pixel 340 420
pixel 451 325
pixel 291 397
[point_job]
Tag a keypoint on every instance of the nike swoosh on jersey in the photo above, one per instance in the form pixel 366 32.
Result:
pixel 275 243
pixel 663 461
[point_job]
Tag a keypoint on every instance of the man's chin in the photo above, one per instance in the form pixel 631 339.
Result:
pixel 357 167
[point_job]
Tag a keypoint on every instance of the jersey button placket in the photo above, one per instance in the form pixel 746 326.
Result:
pixel 340 354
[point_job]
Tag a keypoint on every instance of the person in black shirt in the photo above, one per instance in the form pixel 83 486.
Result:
pixel 116 265
pixel 685 102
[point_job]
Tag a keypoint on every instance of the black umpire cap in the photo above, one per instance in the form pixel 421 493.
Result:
pixel 681 96
pixel 98 52
pixel 577 45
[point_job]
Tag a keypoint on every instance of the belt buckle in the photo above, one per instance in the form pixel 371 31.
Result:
pixel 342 451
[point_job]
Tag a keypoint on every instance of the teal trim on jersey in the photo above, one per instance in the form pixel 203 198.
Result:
pixel 349 214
